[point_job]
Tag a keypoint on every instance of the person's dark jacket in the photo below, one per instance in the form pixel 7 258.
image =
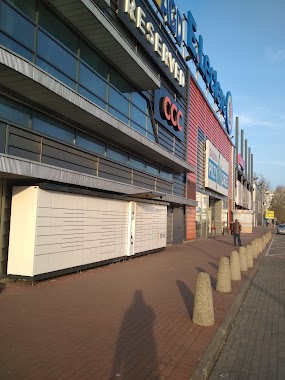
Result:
pixel 237 228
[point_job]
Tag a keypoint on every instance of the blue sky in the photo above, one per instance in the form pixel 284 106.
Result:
pixel 245 41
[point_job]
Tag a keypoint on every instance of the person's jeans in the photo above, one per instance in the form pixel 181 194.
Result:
pixel 237 237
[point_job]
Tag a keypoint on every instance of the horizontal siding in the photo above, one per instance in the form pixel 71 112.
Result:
pixel 114 171
pixel 28 145
pixel 163 186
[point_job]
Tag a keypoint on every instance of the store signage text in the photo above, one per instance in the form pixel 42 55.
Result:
pixel 194 47
pixel 171 17
pixel 147 31
pixel 216 170
pixel 170 112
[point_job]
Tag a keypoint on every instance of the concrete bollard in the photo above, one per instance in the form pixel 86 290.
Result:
pixel 263 242
pixel 253 249
pixel 249 259
pixel 224 276
pixel 235 266
pixel 203 313
pixel 259 245
pixel 242 259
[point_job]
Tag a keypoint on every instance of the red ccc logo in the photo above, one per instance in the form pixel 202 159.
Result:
pixel 170 112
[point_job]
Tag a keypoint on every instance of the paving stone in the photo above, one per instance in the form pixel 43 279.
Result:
pixel 259 327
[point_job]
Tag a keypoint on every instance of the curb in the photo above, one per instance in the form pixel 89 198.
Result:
pixel 211 354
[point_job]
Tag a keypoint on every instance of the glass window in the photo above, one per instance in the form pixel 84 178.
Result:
pixel 139 101
pixel 14 46
pixel 92 98
pixel 93 82
pixel 118 81
pixel 94 60
pixel 152 169
pixel 136 163
pixel 50 127
pixel 117 155
pixel 138 116
pixel 117 101
pixel 56 27
pixel 16 25
pixel 56 73
pixel 118 115
pixel 26 6
pixel 91 144
pixel 56 55
pixel 138 128
pixel 150 136
pixel 165 175
pixel 14 112
pixel 2 137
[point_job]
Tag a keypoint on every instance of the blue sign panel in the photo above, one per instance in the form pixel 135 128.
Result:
pixel 147 29
pixel 169 113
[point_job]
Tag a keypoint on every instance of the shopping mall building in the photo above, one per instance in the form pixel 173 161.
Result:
pixel 108 146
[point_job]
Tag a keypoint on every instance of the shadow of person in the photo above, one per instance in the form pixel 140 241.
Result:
pixel 135 353
pixel 187 296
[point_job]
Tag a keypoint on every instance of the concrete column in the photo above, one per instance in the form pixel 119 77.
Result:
pixel 218 217
pixel 245 158
pixel 242 143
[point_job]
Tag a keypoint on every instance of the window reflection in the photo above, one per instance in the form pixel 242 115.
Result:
pixel 117 155
pixel 94 60
pixel 90 143
pixel 93 82
pixel 118 101
pixel 56 73
pixel 14 46
pixel 16 25
pixel 118 81
pixel 94 99
pixel 56 27
pixel 56 55
pixel 14 112
pixel 50 127
pixel 26 6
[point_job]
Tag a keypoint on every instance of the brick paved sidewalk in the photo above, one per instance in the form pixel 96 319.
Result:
pixel 130 320
pixel 255 348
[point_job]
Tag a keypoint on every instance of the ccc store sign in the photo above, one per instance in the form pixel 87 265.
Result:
pixel 170 112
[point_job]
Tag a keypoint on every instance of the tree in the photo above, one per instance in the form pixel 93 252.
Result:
pixel 262 183
pixel 278 204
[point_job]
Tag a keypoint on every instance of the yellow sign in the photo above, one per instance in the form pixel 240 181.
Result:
pixel 269 214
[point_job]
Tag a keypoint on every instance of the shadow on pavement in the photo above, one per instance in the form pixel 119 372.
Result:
pixel 136 344
pixel 187 296
pixel 2 288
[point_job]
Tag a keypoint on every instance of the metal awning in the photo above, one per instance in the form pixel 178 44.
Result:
pixel 148 195
pixel 89 20
pixel 32 84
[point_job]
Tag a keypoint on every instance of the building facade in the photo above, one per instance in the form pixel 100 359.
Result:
pixel 210 150
pixel 93 135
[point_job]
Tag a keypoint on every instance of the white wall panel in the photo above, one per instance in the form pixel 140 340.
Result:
pixel 150 230
pixel 52 231
pixel 63 230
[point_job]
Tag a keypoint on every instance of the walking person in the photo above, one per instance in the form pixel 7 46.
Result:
pixel 236 232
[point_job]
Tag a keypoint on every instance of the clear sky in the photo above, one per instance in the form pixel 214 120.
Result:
pixel 245 41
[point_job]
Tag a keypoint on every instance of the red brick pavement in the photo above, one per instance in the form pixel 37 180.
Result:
pixel 130 320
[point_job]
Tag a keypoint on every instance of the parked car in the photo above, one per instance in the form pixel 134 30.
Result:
pixel 281 229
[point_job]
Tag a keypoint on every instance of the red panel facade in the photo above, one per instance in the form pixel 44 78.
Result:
pixel 202 115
